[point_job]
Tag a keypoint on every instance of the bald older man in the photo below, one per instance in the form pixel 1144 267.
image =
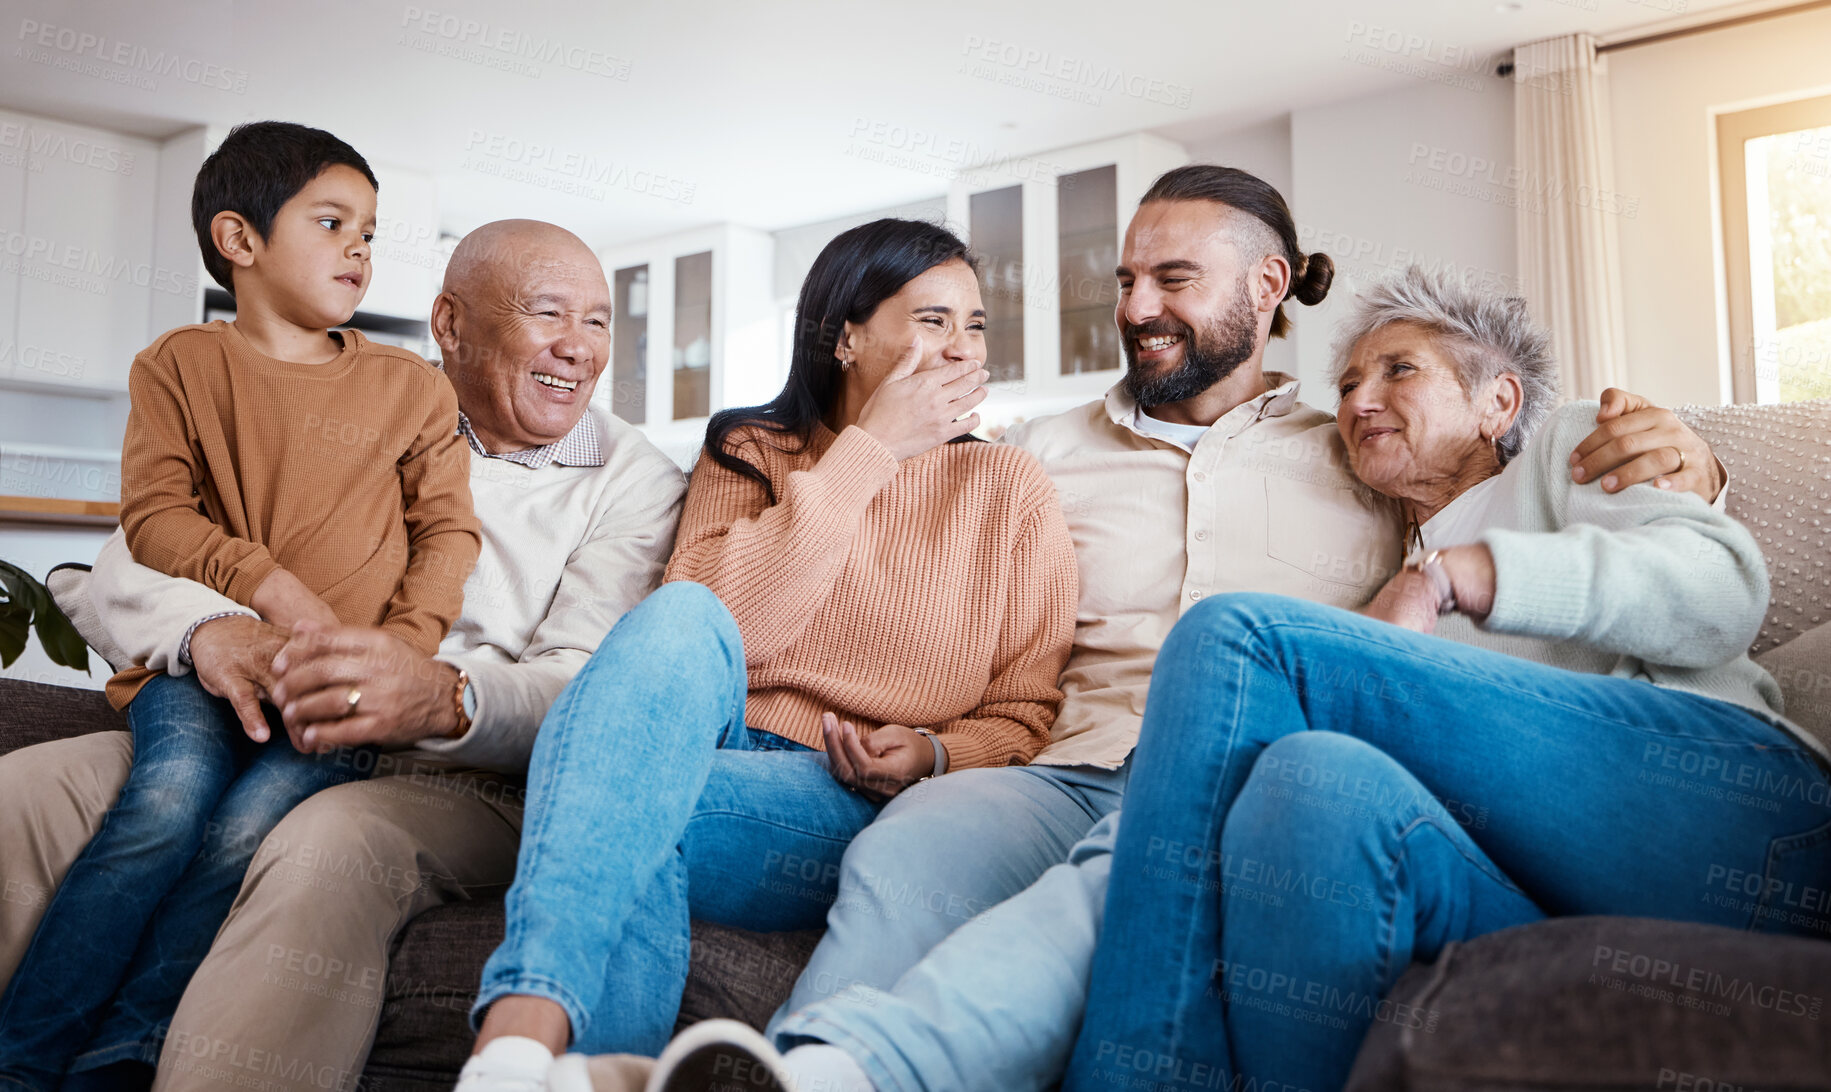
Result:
pixel 578 512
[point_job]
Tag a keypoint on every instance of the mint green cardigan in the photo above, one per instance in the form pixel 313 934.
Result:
pixel 1647 583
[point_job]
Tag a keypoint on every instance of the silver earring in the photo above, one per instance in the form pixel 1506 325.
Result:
pixel 845 364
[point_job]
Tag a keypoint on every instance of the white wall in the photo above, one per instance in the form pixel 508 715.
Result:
pixel 82 275
pixel 1415 175
pixel 174 237
pixel 78 271
pixel 1263 149
pixel 407 265
pixel 1664 101
pixel 797 247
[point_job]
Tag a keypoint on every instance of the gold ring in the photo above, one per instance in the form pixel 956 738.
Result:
pixel 350 701
pixel 1681 462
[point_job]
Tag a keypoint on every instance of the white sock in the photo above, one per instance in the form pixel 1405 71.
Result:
pixel 823 1067
pixel 514 1056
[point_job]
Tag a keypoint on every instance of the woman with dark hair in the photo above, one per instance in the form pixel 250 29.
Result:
pixel 857 603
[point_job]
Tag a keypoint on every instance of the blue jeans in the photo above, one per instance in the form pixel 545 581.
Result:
pixel 139 908
pixel 995 1005
pixel 1484 791
pixel 650 803
pixel 1275 907
pixel 942 853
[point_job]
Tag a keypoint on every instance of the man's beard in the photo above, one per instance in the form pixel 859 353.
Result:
pixel 1224 345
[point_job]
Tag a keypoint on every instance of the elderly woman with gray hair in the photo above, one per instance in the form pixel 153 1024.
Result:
pixel 1550 710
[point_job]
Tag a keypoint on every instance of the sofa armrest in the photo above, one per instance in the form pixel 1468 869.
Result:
pixel 1594 1003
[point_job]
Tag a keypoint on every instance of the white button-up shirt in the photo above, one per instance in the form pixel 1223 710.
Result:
pixel 1263 502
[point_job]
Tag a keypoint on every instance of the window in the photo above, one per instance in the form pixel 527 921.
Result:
pixel 629 346
pixel 997 229
pixel 693 335
pixel 1087 233
pixel 1775 165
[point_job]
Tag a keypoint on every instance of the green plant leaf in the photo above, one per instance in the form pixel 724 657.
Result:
pixel 12 637
pixel 15 624
pixel 15 581
pixel 29 605
pixel 61 642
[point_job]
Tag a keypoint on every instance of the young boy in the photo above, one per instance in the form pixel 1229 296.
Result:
pixel 303 472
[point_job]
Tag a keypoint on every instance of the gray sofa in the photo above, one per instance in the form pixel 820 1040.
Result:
pixel 1541 1007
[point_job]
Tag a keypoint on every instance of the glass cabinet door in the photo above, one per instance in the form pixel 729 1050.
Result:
pixel 693 335
pixel 1087 233
pixel 997 230
pixel 629 346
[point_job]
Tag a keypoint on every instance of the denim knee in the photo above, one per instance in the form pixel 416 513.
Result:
pixel 680 619
pixel 1317 781
pixel 1224 622
pixel 163 815
pixel 233 834
pixel 684 605
pixel 896 867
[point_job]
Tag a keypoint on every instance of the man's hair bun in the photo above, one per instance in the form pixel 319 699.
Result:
pixel 1313 283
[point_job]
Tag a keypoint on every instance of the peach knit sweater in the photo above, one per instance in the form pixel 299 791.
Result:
pixel 938 592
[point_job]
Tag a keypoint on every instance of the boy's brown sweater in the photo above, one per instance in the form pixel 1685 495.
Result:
pixel 349 474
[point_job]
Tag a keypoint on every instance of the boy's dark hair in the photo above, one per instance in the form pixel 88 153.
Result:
pixel 259 167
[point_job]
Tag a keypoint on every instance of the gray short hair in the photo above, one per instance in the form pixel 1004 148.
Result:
pixel 1488 335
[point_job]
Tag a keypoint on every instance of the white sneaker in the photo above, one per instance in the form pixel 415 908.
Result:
pixel 720 1054
pixel 569 1074
pixel 512 1063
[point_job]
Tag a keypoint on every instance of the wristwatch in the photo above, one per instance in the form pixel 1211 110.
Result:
pixel 1431 565
pixel 940 754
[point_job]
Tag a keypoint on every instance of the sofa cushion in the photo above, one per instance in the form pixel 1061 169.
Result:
pixel 1779 462
pixel 1607 1003
pixel 69 586
pixel 1802 667
pixel 438 960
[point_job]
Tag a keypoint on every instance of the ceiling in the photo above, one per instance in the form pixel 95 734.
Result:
pixel 627 120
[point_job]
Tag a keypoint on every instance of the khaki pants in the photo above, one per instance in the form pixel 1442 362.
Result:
pixel 290 995
pixel 425 836
pixel 52 800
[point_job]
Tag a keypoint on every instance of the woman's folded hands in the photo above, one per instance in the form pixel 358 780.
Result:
pixel 880 763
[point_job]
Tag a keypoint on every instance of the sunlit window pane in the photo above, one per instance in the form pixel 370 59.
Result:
pixel 1789 255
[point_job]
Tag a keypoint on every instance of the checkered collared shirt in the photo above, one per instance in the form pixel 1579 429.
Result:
pixel 580 447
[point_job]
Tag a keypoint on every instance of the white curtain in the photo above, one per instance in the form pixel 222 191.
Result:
pixel 1569 253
